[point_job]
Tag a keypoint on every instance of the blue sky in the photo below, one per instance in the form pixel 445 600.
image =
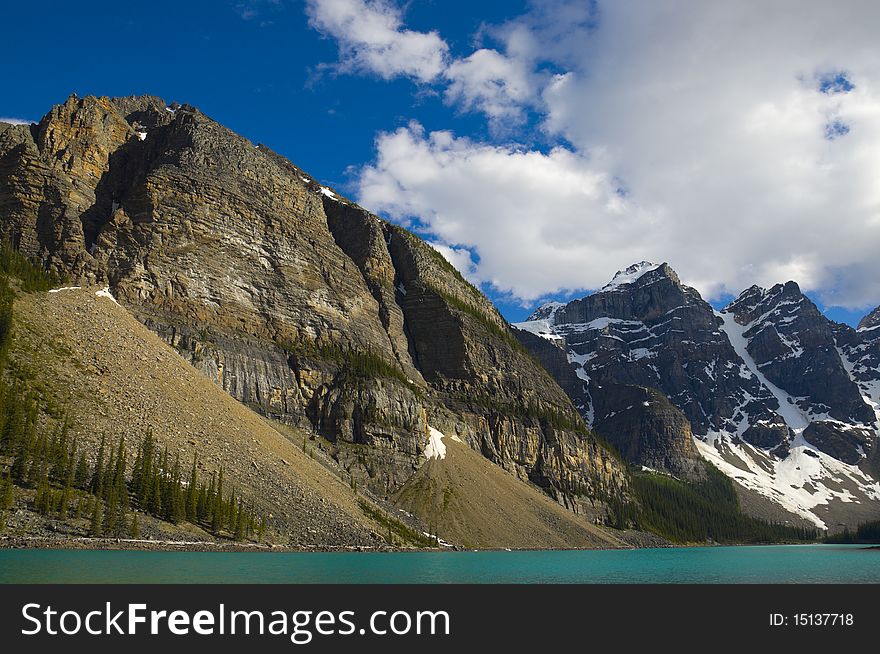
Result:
pixel 525 93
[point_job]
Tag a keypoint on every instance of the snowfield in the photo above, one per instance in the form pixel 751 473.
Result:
pixel 436 448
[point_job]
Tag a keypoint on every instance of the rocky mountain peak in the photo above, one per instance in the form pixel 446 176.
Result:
pixel 546 311
pixel 630 274
pixel 767 383
pixel 755 300
pixel 870 322
pixel 641 274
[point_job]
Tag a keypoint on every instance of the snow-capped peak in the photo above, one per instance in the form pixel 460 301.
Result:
pixel 546 311
pixel 871 321
pixel 631 274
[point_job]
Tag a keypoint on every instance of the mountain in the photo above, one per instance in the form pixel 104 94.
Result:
pixel 294 300
pixel 859 351
pixel 768 390
pixel 870 322
pixel 462 496
pixel 113 377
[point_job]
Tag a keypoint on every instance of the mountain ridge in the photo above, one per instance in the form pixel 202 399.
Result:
pixel 764 376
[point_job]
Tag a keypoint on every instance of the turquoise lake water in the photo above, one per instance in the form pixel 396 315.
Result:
pixel 765 564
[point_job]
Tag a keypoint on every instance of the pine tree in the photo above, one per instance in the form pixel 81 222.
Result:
pixel 134 530
pixel 165 487
pixel 240 524
pixel 119 474
pixel 192 494
pixel 23 455
pixel 97 485
pixel 66 494
pixel 202 504
pixel 111 517
pixel 137 473
pixel 96 526
pixel 217 512
pixel 107 476
pixel 43 499
pixel 178 507
pixel 231 515
pixel 251 522
pixel 148 465
pixel 81 479
pixel 60 456
pixel 155 505
pixel 39 461
pixel 7 493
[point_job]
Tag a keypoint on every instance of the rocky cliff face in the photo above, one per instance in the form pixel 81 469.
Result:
pixel 793 346
pixel 646 330
pixel 869 322
pixel 768 389
pixel 860 354
pixel 295 300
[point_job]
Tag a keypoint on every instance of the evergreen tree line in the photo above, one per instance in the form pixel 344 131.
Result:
pixel 67 485
pixel 158 487
pixel 698 512
pixel 866 532
pixel 548 415
pixel 32 276
pixel 359 364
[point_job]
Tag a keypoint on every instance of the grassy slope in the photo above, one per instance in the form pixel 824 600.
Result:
pixel 92 359
pixel 468 500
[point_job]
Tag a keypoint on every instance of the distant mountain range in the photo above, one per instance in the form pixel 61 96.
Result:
pixel 780 398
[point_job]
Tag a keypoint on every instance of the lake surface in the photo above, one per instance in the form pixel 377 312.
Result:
pixel 765 564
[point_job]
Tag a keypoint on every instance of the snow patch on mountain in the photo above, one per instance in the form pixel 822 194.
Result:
pixel 436 448
pixel 788 409
pixel 629 275
pixel 802 481
pixel 806 477
pixel 105 292
pixel 870 389
pixel 546 311
pixel 542 328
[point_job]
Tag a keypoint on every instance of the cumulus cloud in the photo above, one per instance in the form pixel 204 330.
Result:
pixel 372 39
pixel 459 257
pixel 496 85
pixel 526 213
pixel 741 146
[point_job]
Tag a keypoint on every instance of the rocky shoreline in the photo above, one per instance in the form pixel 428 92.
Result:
pixel 634 540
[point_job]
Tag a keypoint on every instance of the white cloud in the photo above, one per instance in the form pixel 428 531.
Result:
pixel 15 121
pixel 708 116
pixel 525 212
pixel 372 39
pixel 496 85
pixel 459 257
